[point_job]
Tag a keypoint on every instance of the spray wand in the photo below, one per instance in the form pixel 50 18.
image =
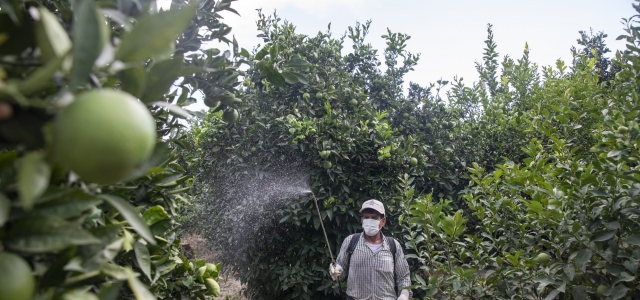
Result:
pixel 315 200
pixel 322 225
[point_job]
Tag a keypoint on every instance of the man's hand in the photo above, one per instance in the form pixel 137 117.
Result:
pixel 335 270
pixel 404 295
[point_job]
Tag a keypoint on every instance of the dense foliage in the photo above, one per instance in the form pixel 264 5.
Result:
pixel 118 239
pixel 520 186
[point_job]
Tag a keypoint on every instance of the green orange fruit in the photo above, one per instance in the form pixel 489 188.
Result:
pixel 103 135
pixel 327 165
pixel 413 161
pixel 225 98
pixel 16 279
pixel 543 258
pixel 230 115
pixel 601 289
pixel 623 130
pixel 213 288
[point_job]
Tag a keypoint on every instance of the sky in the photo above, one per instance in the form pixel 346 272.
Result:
pixel 450 34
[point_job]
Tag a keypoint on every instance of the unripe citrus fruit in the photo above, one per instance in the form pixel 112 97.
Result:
pixel 225 98
pixel 230 115
pixel 319 95
pixel 327 165
pixel 543 258
pixel 103 135
pixel 324 154
pixel 306 96
pixel 623 130
pixel 211 103
pixel 353 102
pixel 212 287
pixel 254 149
pixel 16 280
pixel 211 268
pixel 413 161
pixel 601 289
pixel 433 279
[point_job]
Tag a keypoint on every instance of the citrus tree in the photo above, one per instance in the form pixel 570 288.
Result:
pixel 92 97
pixel 559 223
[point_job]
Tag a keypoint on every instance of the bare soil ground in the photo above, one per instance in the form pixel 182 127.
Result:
pixel 229 286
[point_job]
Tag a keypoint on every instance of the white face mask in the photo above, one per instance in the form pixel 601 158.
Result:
pixel 371 226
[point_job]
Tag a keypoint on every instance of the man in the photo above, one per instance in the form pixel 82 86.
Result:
pixel 372 273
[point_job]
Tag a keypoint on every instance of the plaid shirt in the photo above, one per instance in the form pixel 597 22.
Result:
pixel 371 274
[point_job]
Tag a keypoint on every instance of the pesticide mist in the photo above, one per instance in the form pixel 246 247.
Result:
pixel 237 211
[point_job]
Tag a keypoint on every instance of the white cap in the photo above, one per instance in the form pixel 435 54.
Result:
pixel 373 204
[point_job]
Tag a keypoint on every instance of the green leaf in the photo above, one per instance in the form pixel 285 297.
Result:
pixel 289 78
pixel 155 214
pixel 79 295
pixel 139 289
pixel 88 42
pixel 603 235
pixel 244 53
pixel 118 17
pixel 131 215
pixel 53 40
pixel 110 290
pixel 5 208
pixel 296 62
pixel 43 233
pixel 160 78
pixel 535 206
pixel 69 205
pixel 263 52
pixel 300 77
pixel 104 255
pixel 143 258
pixel 552 295
pixel 579 292
pixel 173 109
pixel 33 178
pixel 154 33
pixel 633 239
pixel 273 52
pixel 275 77
pixel 619 291
pixel 159 228
pixel 616 153
pixel 41 77
pixel 160 154
pixel 133 80
pixel 583 256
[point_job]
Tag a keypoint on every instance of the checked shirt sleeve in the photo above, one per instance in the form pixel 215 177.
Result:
pixel 403 278
pixel 342 257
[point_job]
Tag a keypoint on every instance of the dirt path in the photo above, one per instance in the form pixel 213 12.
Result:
pixel 229 285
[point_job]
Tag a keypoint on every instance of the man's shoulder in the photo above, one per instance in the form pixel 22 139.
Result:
pixel 351 236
